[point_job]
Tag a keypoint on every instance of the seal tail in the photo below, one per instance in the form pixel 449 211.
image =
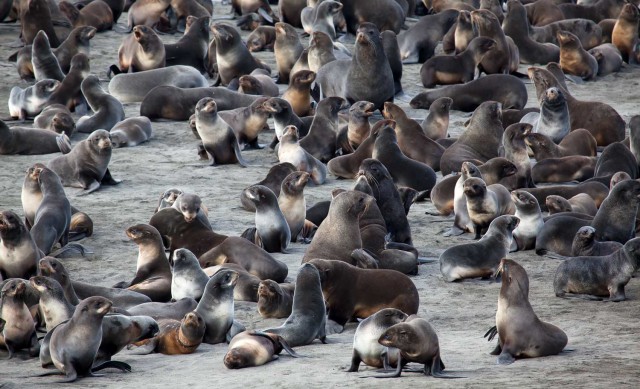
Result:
pixel 64 144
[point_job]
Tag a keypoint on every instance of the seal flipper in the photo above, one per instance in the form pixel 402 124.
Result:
pixel 355 362
pixel 236 150
pixel 250 234
pixel 505 358
pixel 92 187
pixel 112 364
pixel 148 347
pixel 491 333
pixel 63 143
pixel 396 373
pixel 107 179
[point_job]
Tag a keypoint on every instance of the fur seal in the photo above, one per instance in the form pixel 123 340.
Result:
pixel 29 102
pixel 481 258
pixel 175 336
pixel 131 132
pixel 558 233
pixel 608 57
pixel 543 12
pixel 625 32
pixel 293 205
pixel 95 14
pixel 247 122
pixel 566 169
pixel 596 190
pixel 368 67
pixel 257 83
pixel 147 12
pixel 284 116
pixel 577 142
pixel 352 292
pixel 516 25
pixel 287 48
pixel 159 311
pixel 604 123
pixel 456 69
pixel 436 123
pixel 479 142
pixel 515 150
pixel 528 211
pixel 520 332
pixel 191 48
pixel 308 315
pixel 592 278
pixel 35 15
pixel 366 348
pixel 275 300
pixel 347 166
pixel 419 42
pixel 461 223
pixel 580 203
pixel 276 175
pixel 218 138
pixel 233 58
pixel 506 89
pixel 121 330
pixel 19 330
pixel 86 165
pixel 404 170
pixel 69 93
pixel 321 140
pixel 499 59
pixel 153 273
pixel 31 141
pixel 298 92
pixel 384 14
pixel 167 198
pixel 255 348
pixel 57 118
pixel 19 253
pixel 553 120
pixel 142 50
pixel 262 38
pixel 585 244
pixel 588 32
pixel 54 306
pixel 574 59
pixel 45 64
pixel 271 232
pixel 107 109
pixel 290 151
pixel 320 51
pixel 357 129
pixel 216 306
pixel 133 87
pixel 188 279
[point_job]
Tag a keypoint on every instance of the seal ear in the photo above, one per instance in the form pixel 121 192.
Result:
pixel 336 192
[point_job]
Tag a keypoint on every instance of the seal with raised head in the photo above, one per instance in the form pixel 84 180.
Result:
pixel 351 292
pixel 321 140
pixel 521 334
pixel 275 300
pixel 515 150
pixel 216 306
pixel 86 165
pixel 191 48
pixel 516 25
pixel 574 59
pixel 528 211
pixel 188 279
pixel 308 314
pixel 276 175
pixel 500 59
pixel 319 53
pixel 553 120
pixel 271 230
pixel 347 166
pixel 293 205
pixel 19 330
pixel 218 138
pixel 357 130
pixel 580 203
pixel 45 64
pixel 69 92
pixel 19 254
pixel 35 15
pixel 142 50
pixel 436 123
pixel 462 222
pixel 585 244
pixel 298 94
pixel 625 33
pixel 287 48
pixel 366 348
pixel 107 109
pixel 175 337
pixel 418 43
pixel 481 258
pixel 290 151
pixel 54 306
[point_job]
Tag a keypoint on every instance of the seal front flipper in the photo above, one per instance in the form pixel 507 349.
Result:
pixel 491 333
pixel 148 347
pixel 92 187
pixel 107 179
pixel 63 143
pixel 236 150
pixel 505 358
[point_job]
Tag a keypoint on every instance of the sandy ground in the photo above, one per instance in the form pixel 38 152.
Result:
pixel 602 335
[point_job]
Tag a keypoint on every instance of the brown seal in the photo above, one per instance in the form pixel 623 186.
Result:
pixel 142 50
pixel 521 334
pixel 147 12
pixel 604 123
pixel 588 32
pixel 181 10
pixel 247 122
pixel 516 25
pixel 347 166
pixel 586 245
pixel 19 254
pixel 35 16
pixel 19 330
pixel 293 205
pixel 357 129
pixel 191 48
pixel 436 124
pixel 258 83
pixel 29 102
pixel 45 64
pixel 608 57
pixel 574 59
pixel 592 278
pixel 69 93
pixel 411 139
pixel 320 51
pixel 57 118
pixel 218 138
pixel 233 57
pixel 321 140
pixel 528 211
pixel 298 94
pixel 419 42
pixel 95 14
pixel 515 150
pixel 287 49
pixel 486 203
pixel 479 142
pixel 565 169
pixel 351 292
pixel 625 32
pixel 577 142
pixel 506 89
pixel 271 231
pixel 580 203
pixel 107 110
pixel 276 175
pixel 595 190
pixel 456 69
pixel 255 348
pixel 262 38
pixel 175 336
pixel 499 59
pixel 596 11
pixel 385 15
pixel 275 300
pixel 543 12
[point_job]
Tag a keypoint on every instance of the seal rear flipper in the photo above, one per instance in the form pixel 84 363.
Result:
pixel 396 373
pixel 491 333
pixel 235 329
pixel 107 179
pixel 112 364
pixel 250 234
pixel 146 347
pixel 505 358
pixel 580 296
pixel 285 346
pixel 92 187
pixel 364 259
pixel 355 362
pixel 262 12
pixel 71 247
pixel 13 57
pixel 64 144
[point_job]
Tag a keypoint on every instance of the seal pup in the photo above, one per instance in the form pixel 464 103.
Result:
pixel 142 50
pixel 153 273
pixel 95 14
pixel 54 306
pixel 577 142
pixel 287 49
pixel 574 59
pixel 233 57
pixel 462 222
pixel 516 25
pixel 456 69
pixel 481 258
pixel 220 143
pixel 69 92
pixel 554 119
pixel 191 207
pixel 19 330
pixel 528 211
pixel 29 102
pixel 31 141
pixel 321 51
pixel 290 151
pixel 107 109
pixel 275 300
pixel 608 57
pixel 418 43
pixel 167 198
pixel 216 306
pixel 159 311
pixel 271 232
pixel 580 203
pixel 263 38
pixel 308 314
pixel 352 292
pixel 293 205
pixel 35 15
pixel 86 165
pixel 366 348
pixel 256 83
pixel 436 123
pixel 121 330
pixel 404 170
pixel 521 334
pixel 133 87
pixel 255 348
pixel 416 341
pixel 321 140
pixel 479 142
pixel 298 94
pixel 131 132
pixel 175 337
pixel 284 116
pixel 74 344
pixel 247 122
pixel 500 58
pixel 585 244
pixel 485 203
pixel 19 253
pixel 515 150
pixel 188 279
pixel 347 166
pixel 625 33
pixel 276 175
pixel 247 286
pixel 45 64
pixel 357 130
